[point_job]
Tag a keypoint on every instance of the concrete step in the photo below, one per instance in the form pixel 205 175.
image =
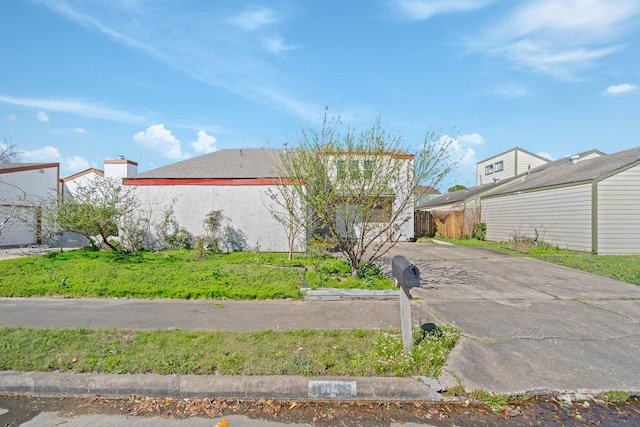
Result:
pixel 332 294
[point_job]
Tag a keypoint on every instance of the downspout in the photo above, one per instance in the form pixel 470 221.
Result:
pixel 594 217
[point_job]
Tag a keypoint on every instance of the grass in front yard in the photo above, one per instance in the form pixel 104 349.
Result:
pixel 625 268
pixel 304 352
pixel 175 274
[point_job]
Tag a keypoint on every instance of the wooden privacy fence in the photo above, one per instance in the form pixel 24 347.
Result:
pixel 423 224
pixel 453 224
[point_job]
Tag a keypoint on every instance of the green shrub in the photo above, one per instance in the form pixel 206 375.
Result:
pixel 479 230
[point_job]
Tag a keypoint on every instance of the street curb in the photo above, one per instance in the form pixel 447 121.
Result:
pixel 223 387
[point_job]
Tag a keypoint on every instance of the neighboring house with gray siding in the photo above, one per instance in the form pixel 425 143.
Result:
pixel 508 164
pixel 587 203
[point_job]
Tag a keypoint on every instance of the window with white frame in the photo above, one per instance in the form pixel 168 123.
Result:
pixel 499 166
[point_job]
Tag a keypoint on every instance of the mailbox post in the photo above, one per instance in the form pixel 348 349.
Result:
pixel 407 276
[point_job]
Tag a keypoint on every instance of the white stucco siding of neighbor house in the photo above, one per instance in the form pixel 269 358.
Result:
pixel 618 213
pixel 23 188
pixel 247 218
pixel 560 216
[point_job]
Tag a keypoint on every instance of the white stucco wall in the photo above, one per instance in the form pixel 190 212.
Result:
pixel 562 216
pixel 71 185
pixel 619 213
pixel 26 189
pixel 118 169
pixel 244 208
pixel 401 167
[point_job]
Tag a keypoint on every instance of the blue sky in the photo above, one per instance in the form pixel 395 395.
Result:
pixel 159 81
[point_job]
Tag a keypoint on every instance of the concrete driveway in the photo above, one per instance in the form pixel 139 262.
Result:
pixel 528 325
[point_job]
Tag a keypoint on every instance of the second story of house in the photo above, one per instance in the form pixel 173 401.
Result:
pixel 508 164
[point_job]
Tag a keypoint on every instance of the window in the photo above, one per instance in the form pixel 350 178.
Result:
pixel 368 169
pixel 488 170
pixel 499 167
pixel 355 169
pixel 382 210
pixel 341 166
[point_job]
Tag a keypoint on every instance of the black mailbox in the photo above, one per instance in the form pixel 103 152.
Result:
pixel 406 274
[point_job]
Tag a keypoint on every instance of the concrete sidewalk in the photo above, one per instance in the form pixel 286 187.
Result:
pixel 210 315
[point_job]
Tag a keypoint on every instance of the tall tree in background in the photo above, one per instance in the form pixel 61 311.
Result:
pixel 356 188
pixel 456 187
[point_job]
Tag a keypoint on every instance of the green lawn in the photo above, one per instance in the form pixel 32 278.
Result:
pixel 176 274
pixel 303 352
pixel 624 268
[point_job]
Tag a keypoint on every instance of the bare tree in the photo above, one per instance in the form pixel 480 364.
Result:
pixel 8 152
pixel 357 187
pixel 286 207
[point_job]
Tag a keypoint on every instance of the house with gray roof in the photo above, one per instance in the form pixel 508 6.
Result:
pixel 241 183
pixel 587 202
pixel 236 182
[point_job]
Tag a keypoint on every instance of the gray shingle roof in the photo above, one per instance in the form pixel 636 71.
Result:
pixel 229 163
pixel 461 195
pixel 558 172
pixel 562 172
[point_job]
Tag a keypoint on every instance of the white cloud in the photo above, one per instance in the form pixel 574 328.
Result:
pixel 45 154
pixel 459 146
pixel 561 38
pixel 472 138
pixel 620 89
pixel 12 118
pixel 76 164
pixel 159 139
pixel 252 20
pixel 424 9
pixel 224 59
pixel 204 144
pixel 74 107
pixel 42 117
pixel 545 155
pixel 80 131
pixel 510 91
pixel 276 46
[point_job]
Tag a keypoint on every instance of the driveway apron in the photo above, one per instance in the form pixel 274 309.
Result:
pixel 527 325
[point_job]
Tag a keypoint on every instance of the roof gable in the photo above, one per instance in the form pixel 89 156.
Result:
pixel 514 149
